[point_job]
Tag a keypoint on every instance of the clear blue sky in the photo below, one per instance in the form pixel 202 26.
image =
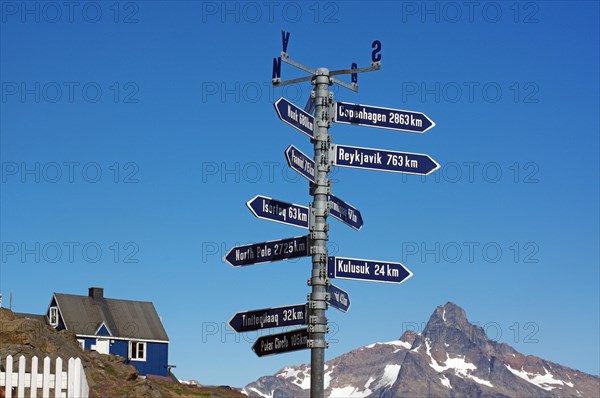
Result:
pixel 171 102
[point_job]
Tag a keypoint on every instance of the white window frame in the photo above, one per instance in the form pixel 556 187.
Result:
pixel 134 348
pixel 53 316
pixel 81 343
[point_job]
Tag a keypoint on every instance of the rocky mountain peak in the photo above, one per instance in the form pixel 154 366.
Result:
pixel 449 315
pixel 448 329
pixel 450 358
pixel 408 337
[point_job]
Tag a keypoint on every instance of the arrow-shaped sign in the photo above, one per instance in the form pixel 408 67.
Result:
pixel 282 342
pixel 369 270
pixel 278 211
pixel 298 161
pixel 295 116
pixel 345 213
pixel 383 118
pixel 338 298
pixel 267 252
pixel 267 318
pixel 383 160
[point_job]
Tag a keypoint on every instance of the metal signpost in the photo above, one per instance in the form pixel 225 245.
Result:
pixel 382 118
pixel 367 270
pixel 345 213
pixel 267 252
pixel 278 211
pixel 382 160
pixel 338 298
pixel 295 116
pixel 282 342
pixel 316 169
pixel 301 163
pixel 267 318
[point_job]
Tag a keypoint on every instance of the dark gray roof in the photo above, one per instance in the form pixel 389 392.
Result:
pixel 83 315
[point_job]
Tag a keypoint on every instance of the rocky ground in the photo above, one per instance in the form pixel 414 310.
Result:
pixel 107 375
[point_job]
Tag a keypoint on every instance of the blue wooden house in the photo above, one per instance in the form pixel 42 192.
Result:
pixel 131 329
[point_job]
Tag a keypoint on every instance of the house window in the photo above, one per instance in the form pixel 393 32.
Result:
pixel 53 316
pixel 137 350
pixel 81 343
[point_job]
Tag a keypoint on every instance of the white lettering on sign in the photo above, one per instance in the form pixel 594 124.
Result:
pixel 346 213
pixel 349 267
pixel 299 118
pixel 360 158
pixel 362 113
pixel 341 298
pixel 266 318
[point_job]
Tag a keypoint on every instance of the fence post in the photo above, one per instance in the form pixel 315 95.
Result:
pixel 21 379
pixel 34 377
pixel 70 385
pixel 58 384
pixel 46 379
pixel 77 378
pixel 9 366
pixel 85 388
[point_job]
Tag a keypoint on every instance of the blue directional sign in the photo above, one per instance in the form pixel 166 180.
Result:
pixel 368 270
pixel 298 161
pixel 295 116
pixel 383 118
pixel 382 160
pixel 268 318
pixel 338 298
pixel 267 252
pixel 345 213
pixel 293 340
pixel 278 211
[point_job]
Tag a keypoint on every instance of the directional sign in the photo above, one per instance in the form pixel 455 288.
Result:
pixel 382 160
pixel 282 342
pixel 278 211
pixel 383 118
pixel 267 252
pixel 369 270
pixel 295 116
pixel 345 213
pixel 338 298
pixel 269 318
pixel 298 161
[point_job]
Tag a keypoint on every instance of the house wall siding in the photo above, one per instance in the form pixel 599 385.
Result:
pixel 157 356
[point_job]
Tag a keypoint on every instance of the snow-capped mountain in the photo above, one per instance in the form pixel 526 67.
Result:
pixel 451 358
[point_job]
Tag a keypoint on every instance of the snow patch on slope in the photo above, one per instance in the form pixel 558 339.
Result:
pixel 461 367
pixel 294 376
pixel 260 393
pixel 349 392
pixel 369 382
pixel 480 381
pixel 288 373
pixel 390 374
pixel 326 376
pixel 396 343
pixel 446 382
pixel 541 381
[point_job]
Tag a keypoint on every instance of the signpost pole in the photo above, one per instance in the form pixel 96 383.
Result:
pixel 319 235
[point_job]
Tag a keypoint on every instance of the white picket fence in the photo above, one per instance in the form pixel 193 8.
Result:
pixel 69 384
